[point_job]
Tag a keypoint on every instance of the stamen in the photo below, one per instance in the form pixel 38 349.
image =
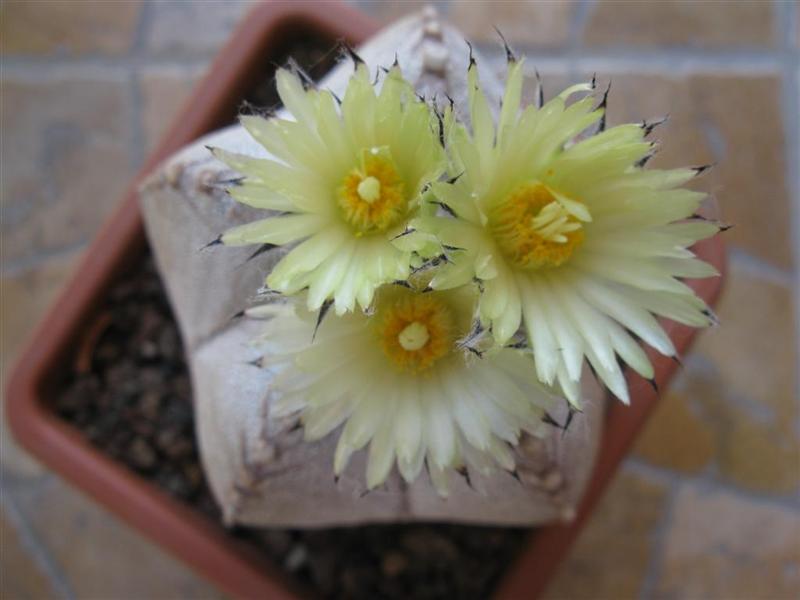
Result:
pixel 415 329
pixel 536 227
pixel 372 195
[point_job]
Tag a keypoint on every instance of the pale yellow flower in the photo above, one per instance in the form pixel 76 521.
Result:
pixel 346 180
pixel 401 382
pixel 572 240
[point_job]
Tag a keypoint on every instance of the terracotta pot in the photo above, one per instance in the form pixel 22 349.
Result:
pixel 197 540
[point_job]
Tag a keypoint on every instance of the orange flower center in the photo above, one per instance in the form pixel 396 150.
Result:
pixel 415 330
pixel 372 196
pixel 533 229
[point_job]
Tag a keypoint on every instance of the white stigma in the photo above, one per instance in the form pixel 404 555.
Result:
pixel 369 190
pixel 414 336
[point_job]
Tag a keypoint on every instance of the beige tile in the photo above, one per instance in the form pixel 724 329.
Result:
pixel 553 83
pixel 25 298
pixel 754 349
pixel 754 355
pixel 99 556
pixel 68 161
pixel 17 464
pixel 181 29
pixel 387 12
pixel 676 437
pixel 760 456
pixel 532 24
pixel 681 23
pixel 60 27
pixel 797 28
pixel 734 406
pixel 637 96
pixel 750 179
pixel 753 447
pixel 611 555
pixel 723 546
pixel 733 121
pixel 164 92
pixel 21 578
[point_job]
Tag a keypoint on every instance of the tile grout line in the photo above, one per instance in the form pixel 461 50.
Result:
pixel 31 68
pixel 760 267
pixel 577 29
pixel 707 480
pixel 135 120
pixel 36 550
pixel 658 543
pixel 787 15
pixel 669 60
pixel 658 61
pixel 26 264
pixel 143 25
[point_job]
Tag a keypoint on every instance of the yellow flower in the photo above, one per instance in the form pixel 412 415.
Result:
pixel 573 240
pixel 401 381
pixel 346 180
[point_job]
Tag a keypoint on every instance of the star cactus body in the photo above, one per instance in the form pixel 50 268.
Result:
pixel 482 295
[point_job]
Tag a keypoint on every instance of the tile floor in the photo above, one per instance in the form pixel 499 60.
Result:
pixel 706 507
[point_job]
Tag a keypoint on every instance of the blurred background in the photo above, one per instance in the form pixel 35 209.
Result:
pixel 706 506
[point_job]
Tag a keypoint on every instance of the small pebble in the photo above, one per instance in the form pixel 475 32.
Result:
pixel 393 564
pixel 141 454
pixel 296 558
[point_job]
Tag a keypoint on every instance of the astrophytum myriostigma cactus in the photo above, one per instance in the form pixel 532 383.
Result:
pixel 416 381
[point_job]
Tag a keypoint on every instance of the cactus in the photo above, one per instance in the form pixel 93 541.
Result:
pixel 425 288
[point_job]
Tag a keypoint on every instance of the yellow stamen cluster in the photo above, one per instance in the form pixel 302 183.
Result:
pixel 372 197
pixel 533 229
pixel 415 329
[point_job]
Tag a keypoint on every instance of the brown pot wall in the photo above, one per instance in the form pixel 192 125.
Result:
pixel 197 540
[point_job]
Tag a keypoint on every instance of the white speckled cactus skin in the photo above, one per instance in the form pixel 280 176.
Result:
pixel 261 471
